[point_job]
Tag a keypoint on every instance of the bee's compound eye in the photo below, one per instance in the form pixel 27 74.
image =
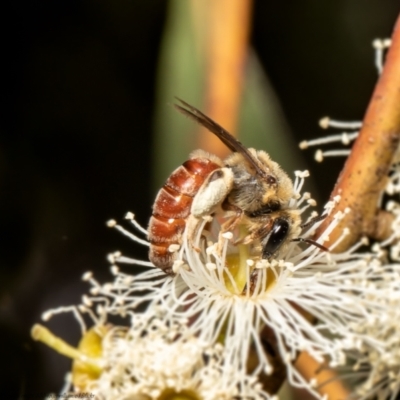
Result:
pixel 274 241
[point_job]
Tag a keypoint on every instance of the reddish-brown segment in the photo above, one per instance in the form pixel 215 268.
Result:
pixel 172 207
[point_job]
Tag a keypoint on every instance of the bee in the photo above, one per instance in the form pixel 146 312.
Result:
pixel 247 185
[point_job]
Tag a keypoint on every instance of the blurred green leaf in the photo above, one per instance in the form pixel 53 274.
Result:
pixel 181 73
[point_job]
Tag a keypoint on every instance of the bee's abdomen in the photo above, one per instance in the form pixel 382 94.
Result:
pixel 172 207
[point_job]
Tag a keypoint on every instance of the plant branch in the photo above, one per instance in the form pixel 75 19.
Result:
pixel 364 176
pixel 362 182
pixel 227 24
pixel 325 379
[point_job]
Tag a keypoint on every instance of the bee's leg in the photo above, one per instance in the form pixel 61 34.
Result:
pixel 192 228
pixel 211 194
pixel 259 233
pixel 230 224
pixel 251 284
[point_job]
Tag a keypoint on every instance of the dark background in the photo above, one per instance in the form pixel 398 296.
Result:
pixel 77 98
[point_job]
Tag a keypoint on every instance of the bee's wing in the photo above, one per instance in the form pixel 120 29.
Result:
pixel 223 135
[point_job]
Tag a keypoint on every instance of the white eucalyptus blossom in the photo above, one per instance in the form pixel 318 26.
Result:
pixel 156 359
pixel 375 357
pixel 154 356
pixel 284 295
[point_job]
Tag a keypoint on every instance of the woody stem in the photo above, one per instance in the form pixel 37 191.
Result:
pixel 364 176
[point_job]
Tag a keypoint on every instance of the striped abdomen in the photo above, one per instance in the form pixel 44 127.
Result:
pixel 172 207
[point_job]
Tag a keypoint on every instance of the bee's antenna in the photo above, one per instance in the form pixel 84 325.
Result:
pixel 312 221
pixel 310 241
pixel 224 136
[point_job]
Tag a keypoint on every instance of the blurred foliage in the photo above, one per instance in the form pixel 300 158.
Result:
pixel 181 73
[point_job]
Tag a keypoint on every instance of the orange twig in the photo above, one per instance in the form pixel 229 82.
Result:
pixel 226 44
pixel 364 175
pixel 311 369
pixel 362 182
